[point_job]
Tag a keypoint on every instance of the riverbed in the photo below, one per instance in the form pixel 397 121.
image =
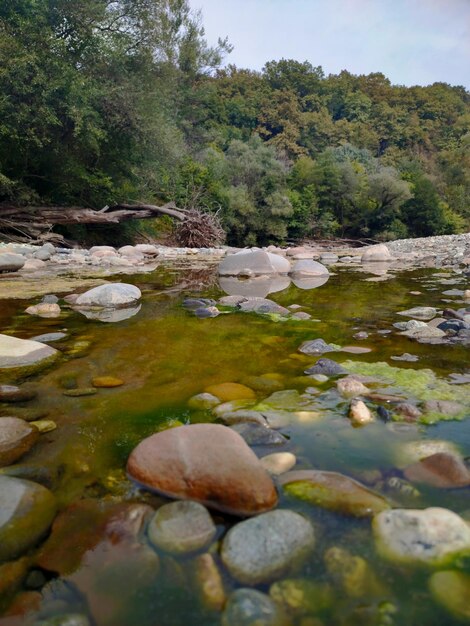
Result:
pixel 165 355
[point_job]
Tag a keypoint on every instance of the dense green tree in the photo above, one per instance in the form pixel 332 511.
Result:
pixel 105 101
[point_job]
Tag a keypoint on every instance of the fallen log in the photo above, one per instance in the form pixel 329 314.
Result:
pixel 34 224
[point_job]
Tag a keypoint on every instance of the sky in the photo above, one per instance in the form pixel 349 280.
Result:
pixel 412 42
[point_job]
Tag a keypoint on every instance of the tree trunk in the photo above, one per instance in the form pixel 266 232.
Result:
pixel 35 224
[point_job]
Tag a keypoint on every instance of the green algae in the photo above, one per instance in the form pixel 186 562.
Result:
pixel 422 384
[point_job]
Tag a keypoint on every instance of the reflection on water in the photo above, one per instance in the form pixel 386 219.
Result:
pixel 112 315
pixel 262 286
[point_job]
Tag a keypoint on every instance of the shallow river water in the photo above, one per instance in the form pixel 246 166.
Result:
pixel 165 354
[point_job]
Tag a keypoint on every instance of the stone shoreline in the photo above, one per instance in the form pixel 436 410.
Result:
pixel 26 263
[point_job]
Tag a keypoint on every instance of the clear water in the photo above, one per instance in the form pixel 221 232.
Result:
pixel 165 355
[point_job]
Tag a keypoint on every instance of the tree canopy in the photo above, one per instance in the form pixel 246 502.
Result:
pixel 115 101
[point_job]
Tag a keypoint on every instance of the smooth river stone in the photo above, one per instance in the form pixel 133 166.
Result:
pixel 263 548
pixel 111 295
pixel 227 392
pixel 26 512
pixel 451 590
pixel 433 536
pixel 16 438
pixel 279 462
pixel 442 470
pixel 11 393
pixel 181 527
pixel 208 463
pixel 16 352
pixel 107 381
pixel 248 607
pixel 334 492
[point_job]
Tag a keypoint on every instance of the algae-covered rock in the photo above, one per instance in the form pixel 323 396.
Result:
pixel 17 437
pixel 203 401
pixel 422 384
pixel 451 590
pixel 230 391
pixel 301 596
pixel 26 512
pixel 433 536
pixel 334 492
pixel 208 582
pixel 23 356
pixel 248 607
pixel 181 527
pixel 352 573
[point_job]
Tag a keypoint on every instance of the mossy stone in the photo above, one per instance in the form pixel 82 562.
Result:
pixel 26 512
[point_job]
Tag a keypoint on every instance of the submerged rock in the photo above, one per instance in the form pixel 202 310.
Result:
pixel 316 346
pixel 208 582
pixel 352 573
pixel 279 462
pixel 12 393
pixel 227 392
pixel 261 305
pixel 107 381
pixel 442 470
pixel 451 590
pixel 433 536
pixel 333 491
pixel 300 596
pixel 265 547
pixel 421 312
pixel 181 527
pixel 350 387
pixel 248 607
pixel 327 367
pixel 16 438
pixel 208 463
pixel 257 435
pixel 27 510
pixel 203 401
pixel 413 451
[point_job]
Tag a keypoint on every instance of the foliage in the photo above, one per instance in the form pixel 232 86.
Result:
pixel 105 102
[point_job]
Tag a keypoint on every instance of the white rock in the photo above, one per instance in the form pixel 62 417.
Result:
pixel 279 462
pixel 111 295
pixel 359 413
pixel 258 261
pixel 380 252
pixel 16 352
pixel 308 268
pixel 431 536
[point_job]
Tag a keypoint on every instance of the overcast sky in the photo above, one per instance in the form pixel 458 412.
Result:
pixel 413 42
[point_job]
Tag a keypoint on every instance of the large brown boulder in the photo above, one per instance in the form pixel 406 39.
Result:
pixel 208 463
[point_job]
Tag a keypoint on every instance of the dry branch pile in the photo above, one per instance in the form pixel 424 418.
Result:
pixel 199 229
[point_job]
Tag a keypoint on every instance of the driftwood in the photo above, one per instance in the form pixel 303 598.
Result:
pixel 35 224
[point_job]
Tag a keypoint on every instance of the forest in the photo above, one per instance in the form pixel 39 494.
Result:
pixel 105 102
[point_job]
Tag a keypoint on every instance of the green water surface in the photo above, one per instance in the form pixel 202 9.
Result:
pixel 164 355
